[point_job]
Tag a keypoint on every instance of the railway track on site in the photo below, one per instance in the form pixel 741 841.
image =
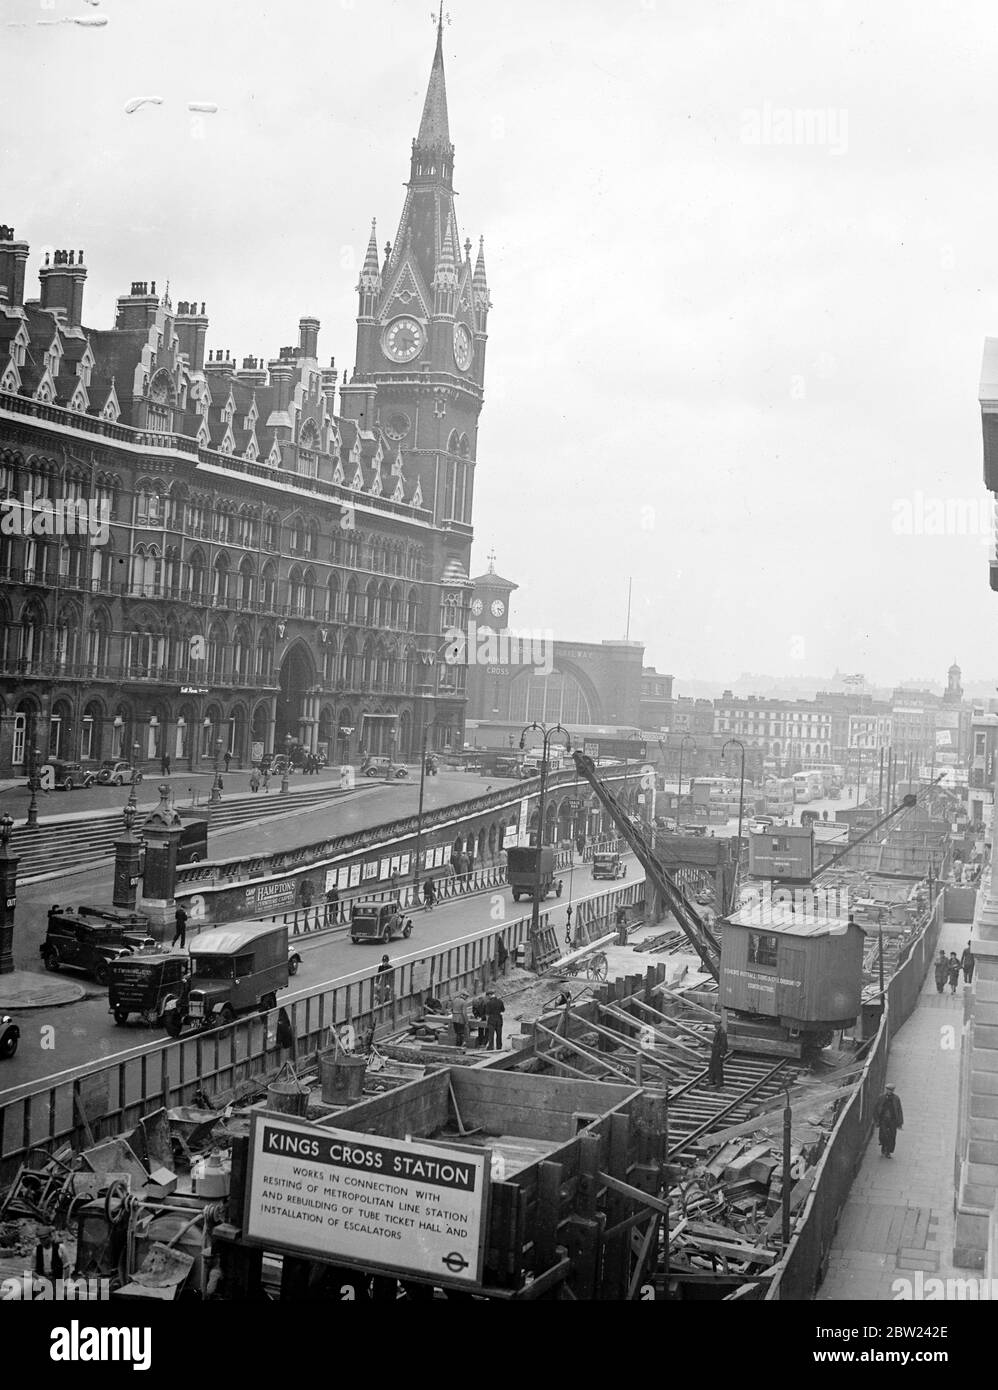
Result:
pixel 57 846
pixel 749 1082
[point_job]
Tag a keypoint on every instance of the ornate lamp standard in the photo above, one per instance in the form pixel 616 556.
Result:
pixel 547 735
pixel 679 794
pixel 8 896
pixel 288 741
pixel 216 786
pixel 741 790
pixel 33 785
pixel 427 726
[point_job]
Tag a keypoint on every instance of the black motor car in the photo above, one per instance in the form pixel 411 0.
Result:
pixel 69 775
pixel 92 937
pixel 9 1036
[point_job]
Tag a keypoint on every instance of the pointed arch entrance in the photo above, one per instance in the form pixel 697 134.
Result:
pixel 295 714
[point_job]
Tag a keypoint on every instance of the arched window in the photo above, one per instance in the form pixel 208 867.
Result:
pixel 220 581
pixel 197 577
pixel 268 586
pixel 412 609
pixel 246 577
pixel 352 598
pixel 451 612
pixel 333 598
pixel 217 640
pixel 371 604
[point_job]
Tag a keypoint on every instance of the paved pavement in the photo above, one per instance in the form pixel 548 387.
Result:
pixel 899 1217
pixel 27 989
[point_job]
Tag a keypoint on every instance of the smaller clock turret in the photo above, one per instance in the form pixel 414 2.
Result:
pixel 490 598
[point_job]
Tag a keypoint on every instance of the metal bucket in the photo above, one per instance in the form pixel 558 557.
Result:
pixel 287 1098
pixel 342 1077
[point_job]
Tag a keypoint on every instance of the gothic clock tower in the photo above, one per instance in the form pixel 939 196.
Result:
pixel 422 332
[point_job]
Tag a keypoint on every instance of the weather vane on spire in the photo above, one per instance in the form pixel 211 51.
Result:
pixel 492 560
pixel 440 19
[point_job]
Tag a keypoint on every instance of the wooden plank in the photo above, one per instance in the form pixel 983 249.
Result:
pixel 644 1199
pixel 639 1267
pixel 734 1250
pixel 613 1284
pixel 698 1057
pixel 797 1194
pixel 686 1003
pixel 584 1052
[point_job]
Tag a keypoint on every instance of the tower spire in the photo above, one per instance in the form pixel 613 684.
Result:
pixel 434 128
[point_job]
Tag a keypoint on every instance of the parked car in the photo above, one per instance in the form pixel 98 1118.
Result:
pixel 378 921
pixel 69 775
pixel 236 969
pixel 9 1036
pixel 118 774
pixel 90 939
pixel 384 767
pixel 154 986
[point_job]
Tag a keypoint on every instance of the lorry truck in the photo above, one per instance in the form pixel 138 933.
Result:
pixel 521 871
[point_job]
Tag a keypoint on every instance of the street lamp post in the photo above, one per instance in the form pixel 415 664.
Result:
pixel 216 785
pixel 287 761
pixel 546 737
pixel 33 785
pixel 741 790
pixel 679 794
pixel 8 896
pixel 423 748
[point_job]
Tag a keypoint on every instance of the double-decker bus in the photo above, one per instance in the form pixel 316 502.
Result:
pixel 807 787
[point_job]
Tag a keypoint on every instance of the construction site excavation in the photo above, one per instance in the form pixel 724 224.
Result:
pixel 665 1101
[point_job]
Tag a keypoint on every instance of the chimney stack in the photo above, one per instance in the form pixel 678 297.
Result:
pixel 308 339
pixel 219 363
pixel 282 372
pixel 192 330
pixel 329 379
pixel 62 287
pixel 13 260
pixel 137 309
pixel 253 372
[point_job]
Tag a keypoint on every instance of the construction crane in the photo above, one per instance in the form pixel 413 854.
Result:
pixel 670 893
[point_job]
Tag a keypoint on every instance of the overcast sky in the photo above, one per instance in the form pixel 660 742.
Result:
pixel 741 258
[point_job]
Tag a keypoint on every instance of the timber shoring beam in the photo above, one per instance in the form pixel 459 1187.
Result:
pixel 624 1017
pixel 669 1021
pixel 584 1052
pixel 687 1003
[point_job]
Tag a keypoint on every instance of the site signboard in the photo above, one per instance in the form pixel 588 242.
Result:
pixel 384 1204
pixel 619 750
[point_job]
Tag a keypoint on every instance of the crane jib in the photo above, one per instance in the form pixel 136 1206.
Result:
pixel 699 935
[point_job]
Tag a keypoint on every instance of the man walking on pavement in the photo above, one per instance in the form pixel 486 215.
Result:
pixel 969 965
pixel 718 1052
pixel 181 933
pixel 889 1118
pixel 941 971
pixel 953 967
pixel 428 894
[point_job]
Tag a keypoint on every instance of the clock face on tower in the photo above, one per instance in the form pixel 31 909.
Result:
pixel 476 606
pixel 497 608
pixel 398 425
pixel 463 350
pixel 403 340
